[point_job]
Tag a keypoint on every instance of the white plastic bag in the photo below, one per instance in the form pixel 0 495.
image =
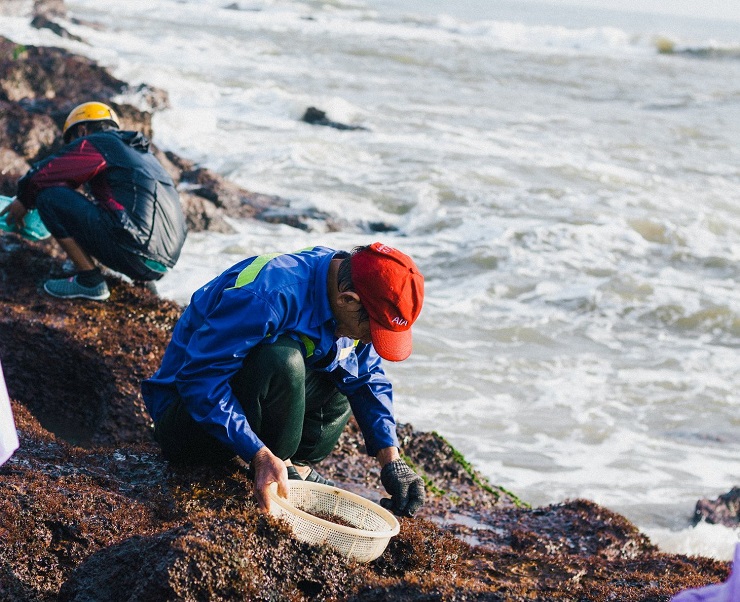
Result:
pixel 8 434
pixel 34 228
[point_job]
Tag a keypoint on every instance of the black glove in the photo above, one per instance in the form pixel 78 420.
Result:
pixel 405 486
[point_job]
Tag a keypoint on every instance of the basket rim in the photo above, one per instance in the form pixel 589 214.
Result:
pixel 385 514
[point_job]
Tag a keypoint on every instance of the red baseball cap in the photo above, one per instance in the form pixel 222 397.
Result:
pixel 391 289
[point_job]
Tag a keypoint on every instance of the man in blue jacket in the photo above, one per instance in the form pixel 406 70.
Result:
pixel 270 358
pixel 130 220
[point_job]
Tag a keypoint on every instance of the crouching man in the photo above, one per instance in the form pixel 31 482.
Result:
pixel 270 358
pixel 127 215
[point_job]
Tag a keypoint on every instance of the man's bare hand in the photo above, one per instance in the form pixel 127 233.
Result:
pixel 16 213
pixel 268 469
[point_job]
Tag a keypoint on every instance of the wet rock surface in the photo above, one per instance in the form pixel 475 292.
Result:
pixel 89 510
pixel 40 85
pixel 316 116
pixel 725 510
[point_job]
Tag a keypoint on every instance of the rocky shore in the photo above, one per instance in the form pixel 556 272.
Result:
pixel 89 510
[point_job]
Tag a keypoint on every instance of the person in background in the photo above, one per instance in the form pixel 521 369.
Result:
pixel 270 358
pixel 8 434
pixel 131 222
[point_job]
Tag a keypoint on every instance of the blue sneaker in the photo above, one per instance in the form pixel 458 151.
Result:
pixel 69 288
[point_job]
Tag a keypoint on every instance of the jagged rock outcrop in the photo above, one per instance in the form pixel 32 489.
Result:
pixel 40 85
pixel 725 510
pixel 87 504
pixel 89 510
pixel 316 116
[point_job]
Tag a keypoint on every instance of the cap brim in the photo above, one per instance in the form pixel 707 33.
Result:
pixel 391 345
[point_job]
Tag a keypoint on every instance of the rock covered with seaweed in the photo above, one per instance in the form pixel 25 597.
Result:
pixel 40 85
pixel 89 510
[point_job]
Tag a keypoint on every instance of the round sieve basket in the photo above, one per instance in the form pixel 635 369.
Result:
pixel 372 525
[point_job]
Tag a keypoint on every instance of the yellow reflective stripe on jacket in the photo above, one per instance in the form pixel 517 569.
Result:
pixel 249 274
pixel 309 344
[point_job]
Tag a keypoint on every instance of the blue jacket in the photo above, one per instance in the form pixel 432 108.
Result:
pixel 252 303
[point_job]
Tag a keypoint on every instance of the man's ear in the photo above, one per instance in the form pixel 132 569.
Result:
pixel 348 300
pixel 79 131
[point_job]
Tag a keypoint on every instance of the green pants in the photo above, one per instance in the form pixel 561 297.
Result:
pixel 298 414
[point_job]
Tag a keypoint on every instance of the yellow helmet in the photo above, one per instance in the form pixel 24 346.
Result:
pixel 89 111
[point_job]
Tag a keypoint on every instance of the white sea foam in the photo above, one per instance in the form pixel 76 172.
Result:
pixel 714 541
pixel 569 193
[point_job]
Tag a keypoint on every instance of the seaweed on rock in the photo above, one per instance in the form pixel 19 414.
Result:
pixel 89 510
pixel 94 510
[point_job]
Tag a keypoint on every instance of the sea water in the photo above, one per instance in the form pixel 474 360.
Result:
pixel 567 178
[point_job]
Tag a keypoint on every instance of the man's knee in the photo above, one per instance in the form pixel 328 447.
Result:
pixel 62 199
pixel 271 380
pixel 56 210
pixel 49 199
pixel 283 358
pixel 287 353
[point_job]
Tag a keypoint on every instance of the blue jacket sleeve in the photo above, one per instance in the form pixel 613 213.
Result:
pixel 215 352
pixel 370 395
